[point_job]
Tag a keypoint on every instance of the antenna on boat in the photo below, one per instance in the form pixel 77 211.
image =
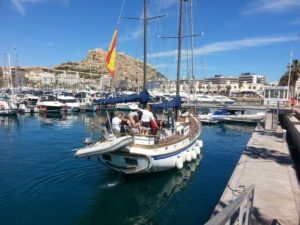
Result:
pixel 145 20
pixel 17 69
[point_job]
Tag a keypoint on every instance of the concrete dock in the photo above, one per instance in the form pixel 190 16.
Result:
pixel 266 163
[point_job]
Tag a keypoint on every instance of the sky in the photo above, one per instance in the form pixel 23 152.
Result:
pixel 234 36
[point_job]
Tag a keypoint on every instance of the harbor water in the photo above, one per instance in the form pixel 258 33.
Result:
pixel 41 183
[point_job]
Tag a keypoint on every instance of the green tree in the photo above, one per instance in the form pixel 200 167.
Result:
pixel 218 88
pixel 228 88
pixel 295 73
pixel 240 86
pixel 208 88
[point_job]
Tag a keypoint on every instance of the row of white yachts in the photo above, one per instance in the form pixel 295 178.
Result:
pixel 10 105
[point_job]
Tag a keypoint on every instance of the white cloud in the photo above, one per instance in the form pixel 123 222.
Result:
pixel 165 66
pixel 295 22
pixel 270 6
pixel 168 3
pixel 20 5
pixel 230 45
pixel 134 35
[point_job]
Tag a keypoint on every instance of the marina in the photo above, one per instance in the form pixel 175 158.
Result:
pixel 39 175
pixel 137 133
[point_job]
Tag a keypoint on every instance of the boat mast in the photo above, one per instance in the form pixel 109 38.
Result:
pixel 179 51
pixel 145 20
pixel 145 42
pixel 179 47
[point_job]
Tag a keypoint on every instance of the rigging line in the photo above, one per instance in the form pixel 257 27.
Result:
pixel 192 50
pixel 187 53
pixel 121 11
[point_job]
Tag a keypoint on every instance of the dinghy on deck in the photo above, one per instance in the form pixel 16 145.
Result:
pixel 103 147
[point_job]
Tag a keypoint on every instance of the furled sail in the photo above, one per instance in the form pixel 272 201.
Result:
pixel 175 103
pixel 142 97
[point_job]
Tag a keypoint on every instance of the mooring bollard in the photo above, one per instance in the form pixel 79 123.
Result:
pixel 284 134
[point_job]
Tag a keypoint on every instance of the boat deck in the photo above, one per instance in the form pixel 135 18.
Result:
pixel 194 129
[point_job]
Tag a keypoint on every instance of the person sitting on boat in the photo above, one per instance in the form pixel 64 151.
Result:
pixel 125 124
pixel 116 122
pixel 147 116
pixel 132 114
pixel 136 124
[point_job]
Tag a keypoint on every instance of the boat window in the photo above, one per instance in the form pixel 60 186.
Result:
pixel 281 93
pixel 131 161
pixel 106 157
pixel 67 100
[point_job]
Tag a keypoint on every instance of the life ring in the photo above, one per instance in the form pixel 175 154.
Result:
pixel 1 106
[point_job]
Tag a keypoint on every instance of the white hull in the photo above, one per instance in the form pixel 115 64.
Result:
pixel 134 160
pixel 7 108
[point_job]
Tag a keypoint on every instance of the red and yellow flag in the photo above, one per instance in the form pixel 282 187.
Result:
pixel 111 55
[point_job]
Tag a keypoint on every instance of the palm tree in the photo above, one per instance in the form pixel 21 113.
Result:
pixel 295 73
pixel 240 86
pixel 228 88
pixel 208 88
pixel 218 88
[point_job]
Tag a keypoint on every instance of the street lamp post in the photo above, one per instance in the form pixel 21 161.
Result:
pixel 290 71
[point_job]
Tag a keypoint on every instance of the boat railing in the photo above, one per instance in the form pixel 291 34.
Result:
pixel 239 211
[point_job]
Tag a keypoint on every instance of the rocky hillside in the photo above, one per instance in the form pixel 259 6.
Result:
pixel 127 68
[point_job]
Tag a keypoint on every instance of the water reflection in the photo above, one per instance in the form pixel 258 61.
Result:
pixel 8 123
pixel 241 128
pixel 137 199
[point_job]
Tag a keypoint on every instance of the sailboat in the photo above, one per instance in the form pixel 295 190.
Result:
pixel 177 141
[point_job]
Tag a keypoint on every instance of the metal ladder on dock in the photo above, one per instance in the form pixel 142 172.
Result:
pixel 238 212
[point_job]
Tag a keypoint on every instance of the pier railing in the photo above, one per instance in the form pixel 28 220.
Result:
pixel 238 212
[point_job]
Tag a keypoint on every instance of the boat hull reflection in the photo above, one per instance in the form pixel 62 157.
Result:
pixel 137 199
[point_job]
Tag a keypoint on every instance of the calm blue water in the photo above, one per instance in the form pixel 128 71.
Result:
pixel 41 183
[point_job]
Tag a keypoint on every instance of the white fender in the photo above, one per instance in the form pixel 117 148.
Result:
pixel 198 151
pixel 179 163
pixel 194 155
pixel 199 143
pixel 188 156
pixel 182 156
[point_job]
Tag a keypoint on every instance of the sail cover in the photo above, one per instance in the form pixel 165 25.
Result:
pixel 175 103
pixel 142 97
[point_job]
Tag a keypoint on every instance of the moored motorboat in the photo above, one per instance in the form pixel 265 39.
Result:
pixel 7 108
pixel 49 104
pixel 70 104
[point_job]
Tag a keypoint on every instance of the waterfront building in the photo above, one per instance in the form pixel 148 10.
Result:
pixel 219 84
pixel 251 78
pixel 105 82
pixel 275 94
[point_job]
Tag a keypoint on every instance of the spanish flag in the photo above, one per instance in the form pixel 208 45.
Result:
pixel 111 55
